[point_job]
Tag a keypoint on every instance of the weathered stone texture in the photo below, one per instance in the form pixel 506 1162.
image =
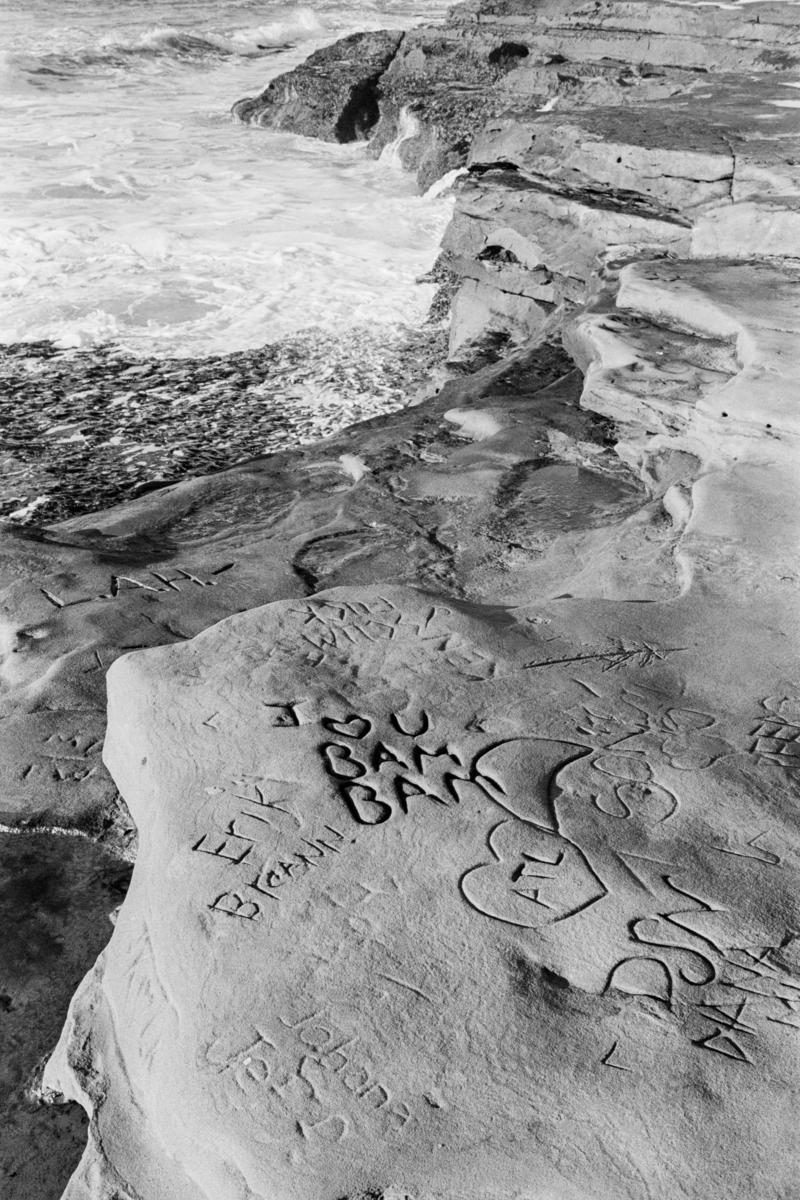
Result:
pixel 333 95
pixel 468 853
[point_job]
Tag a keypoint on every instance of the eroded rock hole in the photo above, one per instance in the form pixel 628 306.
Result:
pixel 360 113
pixel 508 54
pixel 498 254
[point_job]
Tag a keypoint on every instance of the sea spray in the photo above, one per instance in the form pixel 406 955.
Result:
pixel 408 127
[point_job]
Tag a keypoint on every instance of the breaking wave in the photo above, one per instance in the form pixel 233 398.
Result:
pixel 181 45
pixel 135 213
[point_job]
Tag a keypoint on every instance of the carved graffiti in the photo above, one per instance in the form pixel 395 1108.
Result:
pixel 634 793
pixel 728 1030
pixel 65 758
pixel 592 838
pixel 148 1003
pixel 611 1059
pixel 644 720
pixel 538 877
pixel 636 654
pixel 381 776
pixel 331 627
pixel 151 581
pixel 273 874
pixel 314 1076
pixel 329 624
pixel 775 738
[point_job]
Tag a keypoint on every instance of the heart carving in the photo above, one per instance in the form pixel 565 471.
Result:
pixel 352 726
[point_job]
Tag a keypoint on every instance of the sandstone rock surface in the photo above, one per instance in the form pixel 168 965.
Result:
pixel 449 898
pixel 494 878
pixel 551 199
pixel 163 568
pixel 509 744
pixel 606 130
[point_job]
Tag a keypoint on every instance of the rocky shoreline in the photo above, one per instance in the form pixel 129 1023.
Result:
pixel 534 631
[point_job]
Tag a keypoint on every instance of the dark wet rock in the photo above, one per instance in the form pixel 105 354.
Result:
pixel 334 95
pixel 85 429
pixel 55 896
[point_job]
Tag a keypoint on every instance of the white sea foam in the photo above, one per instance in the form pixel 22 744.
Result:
pixel 441 186
pixel 133 210
pixel 476 424
pixel 408 128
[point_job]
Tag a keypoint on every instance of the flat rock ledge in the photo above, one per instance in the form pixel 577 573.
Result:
pixel 578 134
pixel 464 746
pixel 443 899
pixel 446 888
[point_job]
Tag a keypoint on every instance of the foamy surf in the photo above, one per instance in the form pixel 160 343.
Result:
pixel 134 212
pixel 193 44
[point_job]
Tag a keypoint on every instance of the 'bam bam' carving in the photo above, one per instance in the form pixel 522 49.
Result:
pixel 538 875
pixel 379 777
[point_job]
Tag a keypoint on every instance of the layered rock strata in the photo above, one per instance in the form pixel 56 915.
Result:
pixel 488 57
pixel 592 132
pixel 500 780
pixel 553 200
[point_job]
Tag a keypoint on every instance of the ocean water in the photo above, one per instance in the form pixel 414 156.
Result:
pixel 134 212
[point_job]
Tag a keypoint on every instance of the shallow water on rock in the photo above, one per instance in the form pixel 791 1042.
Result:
pixel 86 429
